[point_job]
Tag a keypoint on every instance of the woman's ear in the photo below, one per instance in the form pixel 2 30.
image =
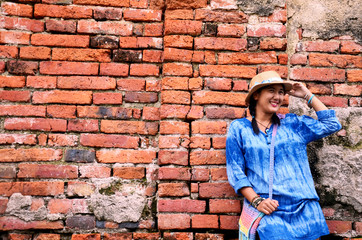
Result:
pixel 256 96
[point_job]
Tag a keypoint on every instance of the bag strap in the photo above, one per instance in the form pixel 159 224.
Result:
pixel 271 168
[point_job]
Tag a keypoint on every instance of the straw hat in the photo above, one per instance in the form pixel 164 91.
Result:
pixel 264 79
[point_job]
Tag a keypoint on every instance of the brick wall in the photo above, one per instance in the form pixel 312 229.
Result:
pixel 96 93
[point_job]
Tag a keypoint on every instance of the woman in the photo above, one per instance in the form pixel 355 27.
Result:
pixel 294 212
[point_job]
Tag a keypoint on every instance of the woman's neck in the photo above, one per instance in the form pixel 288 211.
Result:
pixel 263 116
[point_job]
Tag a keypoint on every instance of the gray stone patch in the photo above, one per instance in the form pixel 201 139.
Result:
pixel 259 7
pixel 326 18
pixel 20 206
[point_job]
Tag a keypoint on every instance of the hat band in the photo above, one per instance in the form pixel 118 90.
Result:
pixel 269 80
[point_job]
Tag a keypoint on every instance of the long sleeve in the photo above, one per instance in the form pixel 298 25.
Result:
pixel 235 161
pixel 310 129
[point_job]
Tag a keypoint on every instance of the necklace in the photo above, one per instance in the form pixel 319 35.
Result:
pixel 266 127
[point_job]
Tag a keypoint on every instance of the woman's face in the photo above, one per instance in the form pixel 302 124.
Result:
pixel 270 98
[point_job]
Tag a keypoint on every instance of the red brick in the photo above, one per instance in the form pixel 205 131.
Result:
pixel 23 24
pixel 344 89
pixel 108 3
pixel 125 156
pixel 178 236
pixel 83 125
pixel 10 138
pixel 130 127
pixel 247 58
pixel 131 84
pixel 12 81
pixel 225 206
pixel 208 127
pixel 8 51
pixel 173 189
pixel 22 110
pixel 174 174
pixel 106 140
pixel 276 16
pixel 14 96
pixel 144 70
pixel 175 97
pixel 22 67
pixel 113 28
pixel 57 96
pixel 205 221
pixel 187 27
pixel 35 53
pixel 152 56
pixel 181 205
pixel 47 171
pixel 14 38
pixel 174 111
pixel 298 59
pixel 18 236
pixel 339 227
pixel 47 236
pixel 153 30
pixel 176 83
pixel 220 16
pixel 229 222
pixel 196 112
pixel 173 142
pixel 107 13
pixel 219 142
pixel 223 4
pixel 318 74
pixel 181 4
pixel 334 101
pixel 354 75
pixel 209 97
pixel 151 113
pixel 350 47
pixel 114 69
pixel 178 41
pixel 61 111
pixel 141 97
pixel 15 9
pixel 56 40
pixel 230 30
pixel 200 174
pixel 153 85
pixel 2 66
pixel 31 188
pixel 178 69
pixel 180 55
pixel 37 124
pixel 104 112
pixel 129 172
pixel 218 174
pixel 72 54
pixel 62 140
pixel 273 43
pixel 41 82
pixel 200 142
pixel 198 57
pixel 173 127
pixel 283 59
pixel 99 83
pixel 173 157
pixel 138 3
pixel 358 227
pixel 341 61
pixel 86 236
pixel 13 223
pixel 270 30
pixel 207 157
pixel 6 172
pixel 117 236
pixel 318 46
pixel 149 42
pixel 94 172
pixel 179 14
pixel 281 70
pixel 233 44
pixel 80 189
pixel 107 98
pixel 216 190
pixel 68 68
pixel 146 15
pixel 67 26
pixel 227 71
pixel 221 113
pixel 173 221
pixel 45 10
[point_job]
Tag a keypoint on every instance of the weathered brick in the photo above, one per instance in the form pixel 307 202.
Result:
pixel 8 51
pixel 67 26
pixel 57 96
pixel 78 155
pixel 62 140
pixel 270 30
pixel 94 172
pixel 16 9
pixel 61 111
pixel 57 40
pixel 221 16
pixel 131 84
pixel 127 55
pixel 10 37
pixel 42 53
pixel 207 157
pixel 106 140
pixel 149 42
pixel 172 142
pixel 152 56
pixel 6 172
pixel 216 190
pixel 12 81
pixel 334 101
pixel 181 205
pixel 111 42
pixel 22 110
pixel 279 15
pixel 339 227
pixel 68 68
pixel 181 4
pixel 187 27
pixel 10 138
pixel 113 3
pixel 141 97
pixel 229 222
pixel 224 206
pixel 107 13
pixel 209 97
pixel 37 124
pixel 32 154
pixel 13 223
pixel 180 55
pixel 273 43
pixel 130 127
pixel 173 190
pixel 221 113
pixel 73 54
pixel 129 172
pixel 223 4
pixel 107 98
pixel 175 97
pixel 114 69
pixel 107 27
pixel 32 188
pixel 218 174
pixel 104 112
pixel 178 69
pixel 174 111
pixel 125 156
pixel 318 74
pixel 115 236
pixel 174 174
pixel 45 10
pixel 144 70
pixel 175 83
pixel 99 83
pixel 179 14
pixel 205 221
pixel 47 236
pixel 80 189
pixel 227 71
pixel 22 67
pixel 354 75
pixel 318 46
pixel 138 3
pixel 41 82
pixel 15 96
pixel 173 127
pixel 329 60
pixel 178 235
pixel 233 44
pixel 208 127
pixel 344 89
pixel 153 30
pixel 47 171
pixel 173 157
pixel 230 30
pixel 146 15
pixel 350 47
pixel 200 142
pixel 82 222
pixel 83 125
pixel 179 41
pixel 298 59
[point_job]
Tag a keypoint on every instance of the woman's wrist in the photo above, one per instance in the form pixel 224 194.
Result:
pixel 255 203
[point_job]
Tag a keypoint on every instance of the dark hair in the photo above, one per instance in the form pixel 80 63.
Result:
pixel 252 109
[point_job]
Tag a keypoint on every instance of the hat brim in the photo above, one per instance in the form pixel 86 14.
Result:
pixel 287 86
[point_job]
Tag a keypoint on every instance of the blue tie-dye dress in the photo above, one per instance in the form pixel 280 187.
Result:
pixel 299 215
